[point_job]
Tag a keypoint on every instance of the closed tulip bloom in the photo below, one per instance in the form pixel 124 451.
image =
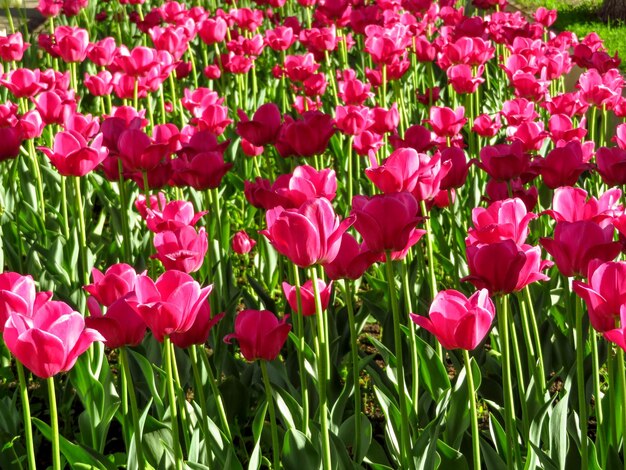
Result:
pixel 120 326
pixel 503 162
pixel 18 295
pixel 199 331
pixel 307 136
pixel 398 172
pixel 260 334
pixel 72 155
pixel 563 165
pixel 264 127
pixel 308 296
pixel 504 267
pixel 576 244
pixel 141 153
pixel 611 162
pixel 352 259
pixel 11 139
pixel 51 340
pixel 604 293
pixel 169 305
pixel 308 235
pixel 386 221
pixel 242 243
pixel 71 43
pixel 458 322
pixel 118 281
pixel 182 249
pixel 502 220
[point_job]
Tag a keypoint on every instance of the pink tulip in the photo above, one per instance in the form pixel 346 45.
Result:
pixel 308 235
pixel 447 122
pixel 611 163
pixel 458 322
pixel 504 267
pixel 604 294
pixel 73 156
pixel 504 162
pixel 307 136
pixel 499 191
pixel 242 243
pixel 51 340
pixel 502 220
pixel 352 260
pixel 120 326
pixel 260 334
pixel 182 249
pixel 618 335
pixel 169 305
pixel 23 82
pixel 162 215
pixel 308 296
pixel 199 331
pixel 563 165
pixel 71 43
pixel 463 79
pixel 264 127
pixel 571 205
pixel 576 244
pixel 118 281
pixel 398 172
pixel 18 295
pixel 387 221
pixel 102 52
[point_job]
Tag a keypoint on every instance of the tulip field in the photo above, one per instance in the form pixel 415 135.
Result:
pixel 312 234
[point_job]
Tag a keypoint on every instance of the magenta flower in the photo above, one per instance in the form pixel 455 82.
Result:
pixel 502 220
pixel 242 243
pixel 18 295
pixel 120 325
pixel 260 334
pixel 308 296
pixel 182 249
pixel 118 281
pixel 73 156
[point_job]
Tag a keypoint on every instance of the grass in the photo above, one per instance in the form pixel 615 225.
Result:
pixel 581 17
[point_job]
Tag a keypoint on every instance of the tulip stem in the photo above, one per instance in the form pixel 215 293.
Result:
pixel 126 245
pixel 82 232
pixel 511 432
pixel 54 422
pixel 622 384
pixel 321 372
pixel 37 170
pixel 28 430
pixel 270 405
pixel 530 311
pixel 217 396
pixel 580 372
pixel 133 406
pixel 473 410
pixel 412 340
pixel 431 261
pixel 199 389
pixel 405 443
pixel 596 390
pixel 168 359
pixel 300 352
pixel 356 373
pixel 66 223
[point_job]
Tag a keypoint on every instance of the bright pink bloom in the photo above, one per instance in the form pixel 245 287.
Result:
pixel 139 152
pixel 169 305
pixel 352 120
pixel 571 205
pixel 458 168
pixel 486 126
pixel 120 326
pixel 100 84
pixel 386 221
pixel 12 47
pixel 118 281
pixel 463 80
pixel 280 38
pixel 51 340
pixel 398 172
pixel 212 30
pixel 18 295
pixel 182 249
pixel 102 53
pixel 199 331
pixel 545 17
pixel 264 127
pixel 384 120
pixel 458 322
pixel 53 107
pixel 200 163
pixel 163 215
pixel 23 82
pixel 308 235
pixel 351 261
pixel 71 43
pixel 307 296
pixel 260 334
pixel 604 294
pixel 447 122
pixel 504 267
pixel 73 156
pixel 242 243
pixel 502 220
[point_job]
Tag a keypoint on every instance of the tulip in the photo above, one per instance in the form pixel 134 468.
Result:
pixel 499 190
pixel 502 220
pixel 504 267
pixel 308 235
pixel 571 205
pixel 182 249
pixel 169 305
pixel 604 293
pixel 163 215
pixel 352 259
pixel 242 243
pixel 446 122
pixel 71 43
pixel 51 340
pixel 563 165
pixel 73 156
pixel 618 335
pixel 386 221
pixel 503 162
pixel 611 163
pixel 308 296
pixel 18 295
pixel 264 127
pixel 398 172
pixel 118 281
pixel 576 244
pixel 458 322
pixel 199 331
pixel 120 326
pixel 307 136
pixel 260 334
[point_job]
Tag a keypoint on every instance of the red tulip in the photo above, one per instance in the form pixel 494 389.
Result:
pixel 352 259
pixel 604 294
pixel 264 127
pixel 502 220
pixel 73 156
pixel 120 326
pixel 386 221
pixel 182 249
pixel 242 243
pixel 199 331
pixel 308 235
pixel 563 165
pixel 260 334
pixel 458 322
pixel 169 305
pixel 504 162
pixel 611 163
pixel 307 136
pixel 51 340
pixel 308 296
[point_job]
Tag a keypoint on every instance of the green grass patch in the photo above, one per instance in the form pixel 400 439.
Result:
pixel 581 17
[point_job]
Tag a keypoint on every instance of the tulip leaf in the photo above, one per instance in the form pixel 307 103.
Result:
pixel 288 408
pixel 148 373
pixel 347 433
pixel 491 458
pixel 451 459
pixel 298 452
pixel 257 428
pixel 432 373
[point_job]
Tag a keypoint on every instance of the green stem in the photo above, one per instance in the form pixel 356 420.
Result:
pixel 180 394
pixel 511 432
pixel 82 232
pixel 133 406
pixel 217 397
pixel 168 359
pixel 473 411
pixel 530 310
pixel 270 405
pixel 350 176
pixel 28 429
pixel 66 224
pixel 405 443
pixel 580 373
pixel 300 352
pixel 412 339
pixel 199 389
pixel 356 373
pixel 126 242
pixel 321 372
pixel 622 384
pixel 54 422
pixel 38 179
pixel 596 390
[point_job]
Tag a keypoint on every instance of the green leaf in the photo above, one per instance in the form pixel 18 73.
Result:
pixel 257 428
pixel 433 374
pixel 347 433
pixel 298 452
